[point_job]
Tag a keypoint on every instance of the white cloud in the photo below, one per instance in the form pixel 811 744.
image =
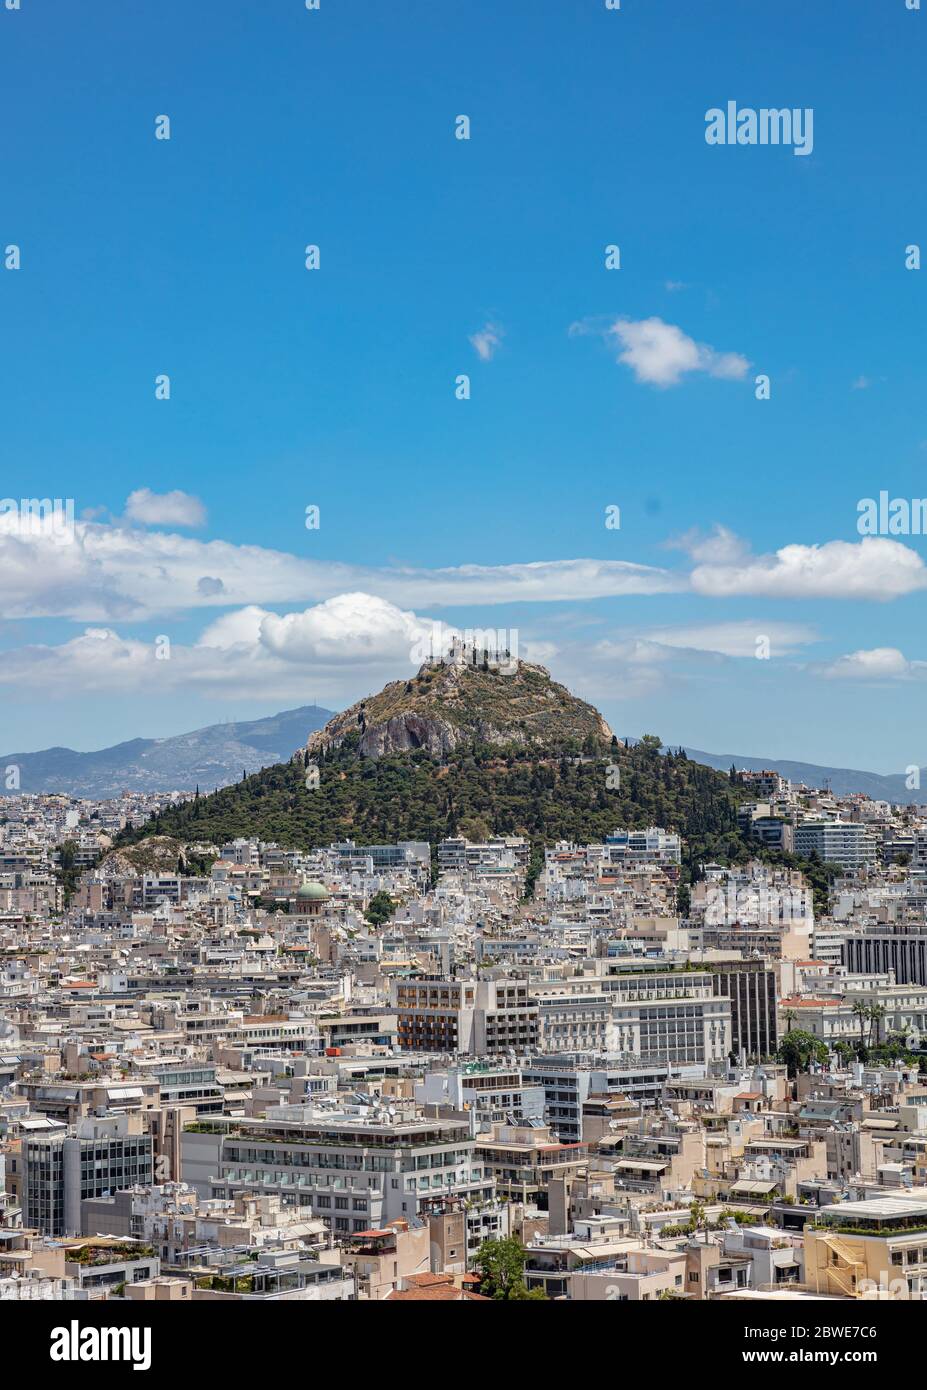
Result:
pixel 349 628
pixel 486 340
pixel 872 568
pixel 241 626
pixel 354 643
pixel 341 648
pixel 105 574
pixel 661 354
pixel 344 646
pixel 97 573
pixel 737 639
pixel 720 546
pixel 876 664
pixel 164 509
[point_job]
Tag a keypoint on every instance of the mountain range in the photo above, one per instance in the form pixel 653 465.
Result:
pixel 841 780
pixel 209 757
pixel 218 754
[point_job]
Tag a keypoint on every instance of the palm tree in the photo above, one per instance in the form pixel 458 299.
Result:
pixel 861 1011
pixel 876 1015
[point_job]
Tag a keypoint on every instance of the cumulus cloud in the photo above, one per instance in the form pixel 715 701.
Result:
pixel 340 648
pixel 238 628
pixel 872 568
pixel 343 646
pixel 876 664
pixel 661 354
pixel 164 509
pixel 354 643
pixel 486 340
pixel 349 628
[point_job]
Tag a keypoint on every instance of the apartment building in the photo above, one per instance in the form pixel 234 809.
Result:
pixel 61 1170
pixel 575 1019
pixel 489 1093
pixel 357 1170
pixel 524 1159
pixel 835 842
pixel 568 1080
pixel 669 1016
pixel 465 1016
pixel 69 1101
pixel 458 855
pixel 854 1247
pixel 878 950
pixel 750 985
pixel 636 847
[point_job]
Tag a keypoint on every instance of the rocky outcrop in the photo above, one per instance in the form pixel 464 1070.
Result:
pixel 450 704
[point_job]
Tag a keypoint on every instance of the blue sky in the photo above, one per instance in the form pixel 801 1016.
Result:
pixel 336 387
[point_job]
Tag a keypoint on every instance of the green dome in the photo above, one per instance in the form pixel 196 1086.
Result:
pixel 310 891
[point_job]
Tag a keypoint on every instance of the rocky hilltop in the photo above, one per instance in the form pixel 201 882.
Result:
pixel 464 701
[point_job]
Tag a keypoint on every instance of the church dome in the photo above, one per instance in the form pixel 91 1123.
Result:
pixel 312 892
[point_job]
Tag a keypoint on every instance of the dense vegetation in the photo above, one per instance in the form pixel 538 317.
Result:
pixel 549 796
pixel 560 793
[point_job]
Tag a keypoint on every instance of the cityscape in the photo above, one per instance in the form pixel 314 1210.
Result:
pixel 463 815
pixel 475 1068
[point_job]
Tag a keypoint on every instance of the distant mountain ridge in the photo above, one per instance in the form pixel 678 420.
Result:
pixel 842 780
pixel 426 716
pixel 210 757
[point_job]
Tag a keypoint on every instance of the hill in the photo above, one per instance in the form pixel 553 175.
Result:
pixel 212 757
pixel 453 703
pixel 467 750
